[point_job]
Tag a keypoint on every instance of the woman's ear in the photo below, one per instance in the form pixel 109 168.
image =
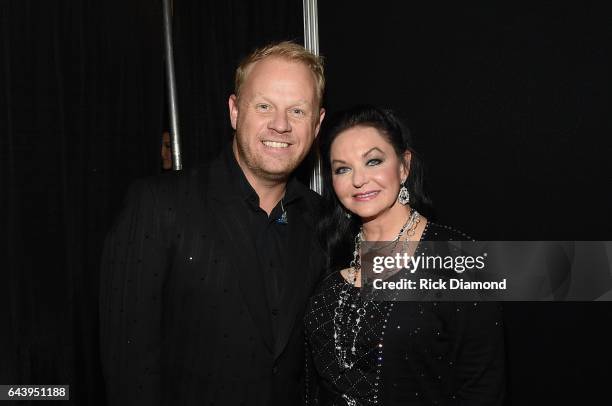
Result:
pixel 405 166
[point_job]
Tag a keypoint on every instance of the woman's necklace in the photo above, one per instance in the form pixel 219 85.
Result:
pixel 343 326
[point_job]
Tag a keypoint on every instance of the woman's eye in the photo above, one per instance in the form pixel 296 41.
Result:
pixel 341 170
pixel 374 162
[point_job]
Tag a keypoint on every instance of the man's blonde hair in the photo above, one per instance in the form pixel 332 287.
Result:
pixel 287 50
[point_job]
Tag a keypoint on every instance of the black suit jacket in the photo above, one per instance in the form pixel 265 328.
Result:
pixel 184 319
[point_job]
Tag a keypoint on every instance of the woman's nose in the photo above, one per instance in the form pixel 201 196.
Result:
pixel 359 178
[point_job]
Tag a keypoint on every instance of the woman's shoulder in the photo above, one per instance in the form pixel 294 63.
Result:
pixel 439 232
pixel 326 292
pixel 331 279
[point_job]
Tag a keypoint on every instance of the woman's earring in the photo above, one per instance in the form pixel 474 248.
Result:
pixel 348 215
pixel 403 197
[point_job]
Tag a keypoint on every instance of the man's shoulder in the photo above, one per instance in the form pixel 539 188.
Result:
pixel 311 198
pixel 171 185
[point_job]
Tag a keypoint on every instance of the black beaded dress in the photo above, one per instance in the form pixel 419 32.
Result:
pixel 406 353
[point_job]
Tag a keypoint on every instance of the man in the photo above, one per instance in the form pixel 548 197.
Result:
pixel 205 275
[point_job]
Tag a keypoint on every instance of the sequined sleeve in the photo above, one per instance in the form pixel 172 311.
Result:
pixel 480 356
pixel 476 330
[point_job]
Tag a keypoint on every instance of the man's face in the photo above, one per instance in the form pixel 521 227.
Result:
pixel 276 118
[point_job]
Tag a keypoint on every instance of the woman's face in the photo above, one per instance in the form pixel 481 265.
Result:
pixel 366 171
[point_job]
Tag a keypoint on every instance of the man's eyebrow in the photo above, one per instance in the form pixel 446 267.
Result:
pixel 340 161
pixel 258 98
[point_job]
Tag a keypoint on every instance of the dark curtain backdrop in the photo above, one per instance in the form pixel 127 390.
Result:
pixel 510 107
pixel 81 115
pixel 80 104
pixel 211 37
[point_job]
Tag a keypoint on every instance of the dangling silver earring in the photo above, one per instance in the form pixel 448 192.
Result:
pixel 348 215
pixel 403 197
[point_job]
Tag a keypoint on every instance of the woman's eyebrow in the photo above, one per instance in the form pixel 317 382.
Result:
pixel 372 149
pixel 339 161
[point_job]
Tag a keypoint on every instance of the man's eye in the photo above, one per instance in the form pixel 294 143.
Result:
pixel 341 170
pixel 374 162
pixel 298 112
pixel 263 107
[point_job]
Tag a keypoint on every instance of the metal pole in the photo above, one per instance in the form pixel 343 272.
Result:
pixel 175 138
pixel 311 42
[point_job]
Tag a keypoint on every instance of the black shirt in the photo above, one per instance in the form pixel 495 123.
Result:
pixel 269 234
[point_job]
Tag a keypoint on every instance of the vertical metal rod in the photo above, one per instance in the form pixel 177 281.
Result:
pixel 311 42
pixel 175 138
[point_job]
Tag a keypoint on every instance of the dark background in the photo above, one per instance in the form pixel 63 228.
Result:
pixel 509 107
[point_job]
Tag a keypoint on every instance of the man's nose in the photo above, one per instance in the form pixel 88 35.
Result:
pixel 280 122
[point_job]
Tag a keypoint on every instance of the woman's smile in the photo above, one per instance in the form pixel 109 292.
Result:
pixel 366 196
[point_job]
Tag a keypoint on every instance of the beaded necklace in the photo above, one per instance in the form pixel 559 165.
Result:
pixel 344 327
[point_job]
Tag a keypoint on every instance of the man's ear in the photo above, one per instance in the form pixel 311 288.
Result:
pixel 232 103
pixel 405 166
pixel 321 117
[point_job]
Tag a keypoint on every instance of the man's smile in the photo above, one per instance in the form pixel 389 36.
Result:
pixel 275 144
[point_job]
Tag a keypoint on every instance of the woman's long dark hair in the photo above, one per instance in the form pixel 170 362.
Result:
pixel 336 231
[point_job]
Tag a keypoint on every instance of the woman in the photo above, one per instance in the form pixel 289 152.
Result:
pixel 389 353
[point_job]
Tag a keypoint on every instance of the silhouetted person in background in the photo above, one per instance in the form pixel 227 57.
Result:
pixel 166 151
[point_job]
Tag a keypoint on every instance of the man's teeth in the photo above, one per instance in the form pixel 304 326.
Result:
pixel 275 144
